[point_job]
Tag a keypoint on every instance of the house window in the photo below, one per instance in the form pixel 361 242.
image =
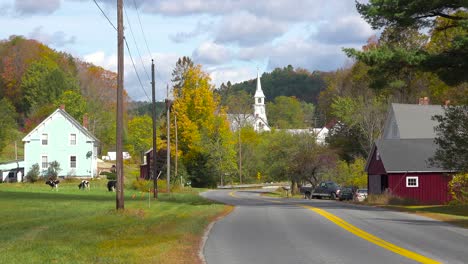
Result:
pixel 412 181
pixel 73 162
pixel 72 139
pixel 45 139
pixel 45 164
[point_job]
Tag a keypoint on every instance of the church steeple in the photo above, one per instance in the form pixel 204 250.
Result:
pixel 261 122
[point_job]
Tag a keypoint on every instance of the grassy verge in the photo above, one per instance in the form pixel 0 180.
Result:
pixel 454 214
pixel 73 226
pixel 280 193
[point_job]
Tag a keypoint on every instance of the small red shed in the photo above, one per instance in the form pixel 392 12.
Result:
pixel 401 166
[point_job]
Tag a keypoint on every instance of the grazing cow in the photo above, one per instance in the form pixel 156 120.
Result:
pixel 53 184
pixel 111 185
pixel 84 185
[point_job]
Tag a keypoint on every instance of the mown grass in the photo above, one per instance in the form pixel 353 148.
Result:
pixel 74 226
pixel 454 214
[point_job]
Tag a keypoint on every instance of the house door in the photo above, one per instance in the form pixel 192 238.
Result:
pixel 383 182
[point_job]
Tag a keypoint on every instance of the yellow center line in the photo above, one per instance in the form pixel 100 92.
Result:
pixel 367 236
pixel 233 195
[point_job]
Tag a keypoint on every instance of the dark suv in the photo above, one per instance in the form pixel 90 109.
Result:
pixel 324 189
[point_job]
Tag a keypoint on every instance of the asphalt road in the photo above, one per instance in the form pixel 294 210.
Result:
pixel 273 230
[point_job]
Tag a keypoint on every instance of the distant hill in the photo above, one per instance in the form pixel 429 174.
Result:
pixel 35 80
pixel 287 81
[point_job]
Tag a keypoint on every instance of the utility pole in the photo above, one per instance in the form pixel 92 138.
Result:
pixel 176 147
pixel 240 156
pixel 155 174
pixel 120 75
pixel 168 124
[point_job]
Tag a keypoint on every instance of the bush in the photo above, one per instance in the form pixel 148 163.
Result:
pixel 53 170
pixel 142 185
pixel 110 175
pixel 387 198
pixel 458 188
pixel 33 173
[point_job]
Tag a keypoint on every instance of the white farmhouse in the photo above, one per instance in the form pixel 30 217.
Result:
pixel 63 139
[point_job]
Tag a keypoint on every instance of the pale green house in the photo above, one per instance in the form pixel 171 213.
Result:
pixel 63 139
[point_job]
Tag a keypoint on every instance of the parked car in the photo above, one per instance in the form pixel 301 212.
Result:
pixel 346 193
pixel 361 195
pixel 324 189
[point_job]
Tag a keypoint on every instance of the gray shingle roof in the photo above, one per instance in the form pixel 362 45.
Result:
pixel 414 121
pixel 407 155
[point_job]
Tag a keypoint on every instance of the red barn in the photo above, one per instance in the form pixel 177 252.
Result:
pixel 399 162
pixel 401 166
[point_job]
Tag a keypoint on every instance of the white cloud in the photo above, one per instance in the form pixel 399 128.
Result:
pixel 29 7
pixel 247 29
pixel 57 39
pixel 346 30
pixel 201 27
pixel 211 53
pixel 234 74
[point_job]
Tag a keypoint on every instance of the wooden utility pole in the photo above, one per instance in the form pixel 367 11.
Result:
pixel 240 156
pixel 168 124
pixel 153 108
pixel 176 147
pixel 120 75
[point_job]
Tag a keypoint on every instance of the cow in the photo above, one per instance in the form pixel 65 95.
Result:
pixel 53 184
pixel 111 185
pixel 84 185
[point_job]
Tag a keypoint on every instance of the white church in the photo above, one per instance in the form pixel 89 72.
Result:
pixel 259 120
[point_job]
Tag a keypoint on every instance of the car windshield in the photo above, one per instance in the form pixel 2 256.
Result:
pixel 362 191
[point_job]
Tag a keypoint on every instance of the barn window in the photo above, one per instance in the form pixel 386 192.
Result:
pixel 72 139
pixel 412 181
pixel 45 164
pixel 73 162
pixel 44 139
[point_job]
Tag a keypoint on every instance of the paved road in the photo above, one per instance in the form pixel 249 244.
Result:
pixel 272 230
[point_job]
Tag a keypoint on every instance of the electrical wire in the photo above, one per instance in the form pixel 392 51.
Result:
pixel 136 45
pixel 102 11
pixel 134 67
pixel 141 27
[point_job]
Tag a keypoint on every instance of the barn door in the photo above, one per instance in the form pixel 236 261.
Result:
pixel 383 182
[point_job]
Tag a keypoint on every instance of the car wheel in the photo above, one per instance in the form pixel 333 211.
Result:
pixel 307 195
pixel 333 196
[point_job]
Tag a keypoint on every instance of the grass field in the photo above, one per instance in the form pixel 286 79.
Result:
pixel 454 214
pixel 74 226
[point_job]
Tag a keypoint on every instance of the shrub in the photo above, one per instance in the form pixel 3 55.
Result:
pixel 110 175
pixel 388 198
pixel 458 188
pixel 53 170
pixel 142 185
pixel 33 173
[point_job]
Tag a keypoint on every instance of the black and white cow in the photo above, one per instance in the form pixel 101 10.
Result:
pixel 111 186
pixel 84 185
pixel 53 184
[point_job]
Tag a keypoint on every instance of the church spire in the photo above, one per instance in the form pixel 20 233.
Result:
pixel 259 91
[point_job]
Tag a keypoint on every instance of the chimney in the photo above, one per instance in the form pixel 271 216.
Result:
pixel 85 121
pixel 62 106
pixel 421 101
pixel 426 100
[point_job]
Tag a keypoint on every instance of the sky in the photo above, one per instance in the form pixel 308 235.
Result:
pixel 231 39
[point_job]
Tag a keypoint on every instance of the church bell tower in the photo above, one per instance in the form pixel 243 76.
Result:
pixel 261 123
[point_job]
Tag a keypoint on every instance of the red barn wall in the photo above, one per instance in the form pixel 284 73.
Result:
pixel 375 166
pixel 432 189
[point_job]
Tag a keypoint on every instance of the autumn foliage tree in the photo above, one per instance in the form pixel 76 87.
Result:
pixel 204 136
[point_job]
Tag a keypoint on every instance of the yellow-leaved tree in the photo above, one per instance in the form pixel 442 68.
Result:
pixel 204 137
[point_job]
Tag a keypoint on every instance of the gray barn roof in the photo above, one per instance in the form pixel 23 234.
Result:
pixel 414 121
pixel 407 155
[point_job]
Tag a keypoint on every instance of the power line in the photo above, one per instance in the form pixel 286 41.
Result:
pixel 102 11
pixel 136 72
pixel 136 45
pixel 141 27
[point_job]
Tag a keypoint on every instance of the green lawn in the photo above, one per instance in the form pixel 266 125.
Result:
pixel 74 226
pixel 454 214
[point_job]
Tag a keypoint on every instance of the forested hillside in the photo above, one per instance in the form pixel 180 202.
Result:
pixel 35 80
pixel 287 81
